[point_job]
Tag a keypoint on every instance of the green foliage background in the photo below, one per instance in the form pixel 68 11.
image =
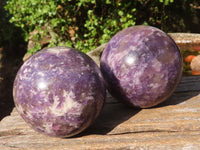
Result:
pixel 86 24
pixel 8 32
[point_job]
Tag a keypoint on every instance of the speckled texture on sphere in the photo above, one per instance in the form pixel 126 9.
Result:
pixel 59 91
pixel 142 66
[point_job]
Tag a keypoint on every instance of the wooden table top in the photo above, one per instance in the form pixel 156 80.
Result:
pixel 172 125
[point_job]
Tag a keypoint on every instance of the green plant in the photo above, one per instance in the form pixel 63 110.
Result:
pixel 166 2
pixel 8 32
pixel 82 24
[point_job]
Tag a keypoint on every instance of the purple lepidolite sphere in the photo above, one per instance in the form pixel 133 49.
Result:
pixel 59 91
pixel 142 66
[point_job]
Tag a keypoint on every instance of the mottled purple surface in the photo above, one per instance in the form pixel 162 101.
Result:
pixel 59 91
pixel 142 66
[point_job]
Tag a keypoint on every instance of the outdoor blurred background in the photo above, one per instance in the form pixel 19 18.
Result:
pixel 29 25
pixel 86 24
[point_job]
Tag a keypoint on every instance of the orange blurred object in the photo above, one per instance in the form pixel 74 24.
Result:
pixel 195 73
pixel 59 6
pixel 189 58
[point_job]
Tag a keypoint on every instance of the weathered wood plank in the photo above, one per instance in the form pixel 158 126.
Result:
pixel 189 84
pixel 174 124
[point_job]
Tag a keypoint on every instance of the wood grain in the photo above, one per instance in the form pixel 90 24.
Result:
pixel 173 125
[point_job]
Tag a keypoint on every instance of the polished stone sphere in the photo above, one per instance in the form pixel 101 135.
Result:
pixel 142 66
pixel 59 91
